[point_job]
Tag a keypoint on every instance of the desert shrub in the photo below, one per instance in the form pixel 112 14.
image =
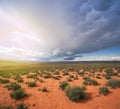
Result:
pixel 81 73
pixel 21 106
pixel 75 93
pixel 31 84
pixel 63 85
pixel 20 80
pixel 17 94
pixel 84 87
pixel 6 75
pixel 13 86
pixel 46 75
pixel 114 83
pixel 85 82
pixel 65 73
pixel 16 76
pixel 69 79
pixel 86 78
pixel 103 90
pixel 92 81
pixel 71 69
pixel 44 89
pixel 55 77
pixel 31 75
pixel 6 107
pixel 111 74
pixel 56 73
pixel 107 76
pixel 98 77
pixel 109 70
pixel 4 81
pixel 41 80
pixel 71 76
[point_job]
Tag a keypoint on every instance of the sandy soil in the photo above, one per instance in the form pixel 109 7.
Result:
pixel 55 98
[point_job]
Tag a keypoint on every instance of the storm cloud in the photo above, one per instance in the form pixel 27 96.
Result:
pixel 60 29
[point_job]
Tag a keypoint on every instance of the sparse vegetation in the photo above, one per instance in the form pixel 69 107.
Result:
pixel 63 85
pixel 107 76
pixel 88 81
pixel 44 89
pixel 56 77
pixel 71 73
pixel 13 86
pixel 31 84
pixel 69 79
pixel 75 93
pixel 31 76
pixel 4 81
pixel 18 94
pixel 65 73
pixel 46 75
pixel 103 90
pixel 21 106
pixel 113 83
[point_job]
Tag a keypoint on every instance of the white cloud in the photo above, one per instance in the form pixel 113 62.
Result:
pixel 116 58
pixel 98 58
pixel 57 51
pixel 21 54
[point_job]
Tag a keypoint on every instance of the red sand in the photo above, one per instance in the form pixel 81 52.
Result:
pixel 55 98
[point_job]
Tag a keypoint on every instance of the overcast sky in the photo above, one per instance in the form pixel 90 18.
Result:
pixel 58 30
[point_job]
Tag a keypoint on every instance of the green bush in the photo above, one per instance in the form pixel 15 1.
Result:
pixel 98 77
pixel 31 84
pixel 56 77
pixel 90 82
pixel 94 82
pixel 46 75
pixel 103 90
pixel 41 80
pixel 20 80
pixel 18 94
pixel 81 73
pixel 4 81
pixel 63 85
pixel 75 93
pixel 65 73
pixel 13 86
pixel 86 78
pixel 31 76
pixel 109 70
pixel 6 75
pixel 6 107
pixel 107 76
pixel 114 83
pixel 69 79
pixel 44 89
pixel 71 76
pixel 85 82
pixel 56 73
pixel 21 106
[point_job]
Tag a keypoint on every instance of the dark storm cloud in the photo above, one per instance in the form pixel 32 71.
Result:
pixel 95 25
pixel 70 57
pixel 102 5
pixel 99 25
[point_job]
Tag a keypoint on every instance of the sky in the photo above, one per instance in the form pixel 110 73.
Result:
pixel 60 30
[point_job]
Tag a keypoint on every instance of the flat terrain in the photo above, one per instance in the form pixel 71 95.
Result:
pixel 47 94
